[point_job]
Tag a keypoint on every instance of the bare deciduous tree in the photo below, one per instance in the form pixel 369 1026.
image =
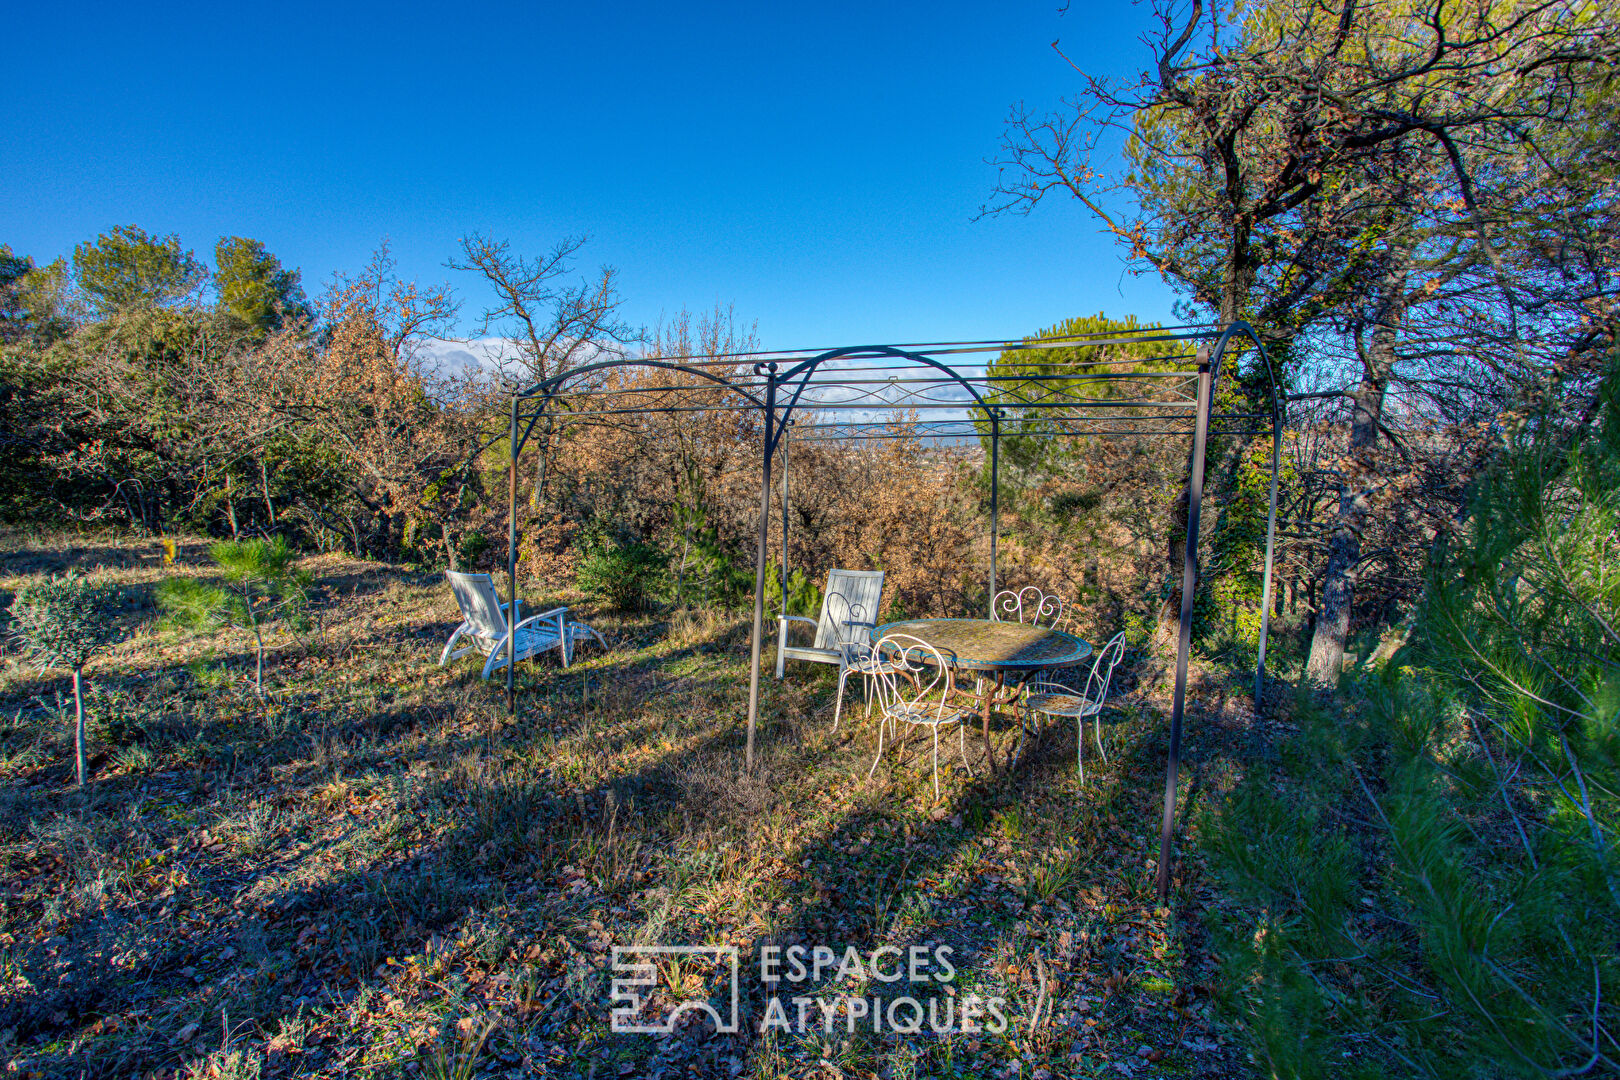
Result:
pixel 1281 158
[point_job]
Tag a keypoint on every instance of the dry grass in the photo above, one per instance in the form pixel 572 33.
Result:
pixel 377 872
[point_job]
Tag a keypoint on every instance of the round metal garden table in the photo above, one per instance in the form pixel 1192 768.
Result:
pixel 1003 655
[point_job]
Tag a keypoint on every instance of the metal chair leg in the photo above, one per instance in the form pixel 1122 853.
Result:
pixel 1028 728
pixel 1080 747
pixel 936 760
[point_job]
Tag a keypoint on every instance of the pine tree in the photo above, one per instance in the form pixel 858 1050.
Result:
pixel 261 588
pixel 67 622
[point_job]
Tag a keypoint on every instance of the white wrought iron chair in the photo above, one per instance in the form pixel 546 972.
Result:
pixel 915 689
pixel 862 589
pixel 853 631
pixel 1051 698
pixel 1028 605
pixel 485 628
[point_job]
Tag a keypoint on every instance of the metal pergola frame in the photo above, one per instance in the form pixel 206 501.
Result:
pixel 781 381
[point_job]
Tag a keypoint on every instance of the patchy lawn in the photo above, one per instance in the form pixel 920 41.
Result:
pixel 376 872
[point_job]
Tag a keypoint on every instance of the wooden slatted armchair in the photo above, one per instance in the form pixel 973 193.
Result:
pixel 862 589
pixel 849 611
pixel 485 627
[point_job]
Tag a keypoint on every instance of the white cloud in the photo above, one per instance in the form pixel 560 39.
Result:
pixel 457 356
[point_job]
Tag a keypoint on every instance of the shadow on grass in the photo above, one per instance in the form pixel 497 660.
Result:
pixel 611 808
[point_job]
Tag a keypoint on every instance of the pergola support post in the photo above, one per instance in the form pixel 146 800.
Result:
pixel 759 560
pixel 511 561
pixel 995 491
pixel 1271 543
pixel 781 622
pixel 1189 585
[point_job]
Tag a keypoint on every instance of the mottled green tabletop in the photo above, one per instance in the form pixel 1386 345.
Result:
pixel 987 645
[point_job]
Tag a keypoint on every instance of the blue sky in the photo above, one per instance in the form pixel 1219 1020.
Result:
pixel 818 166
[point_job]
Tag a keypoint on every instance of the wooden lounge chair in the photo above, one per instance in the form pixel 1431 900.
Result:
pixel 858 591
pixel 485 627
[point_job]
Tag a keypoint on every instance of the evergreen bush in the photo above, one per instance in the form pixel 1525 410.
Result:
pixel 625 574
pixel 1430 862
pixel 66 622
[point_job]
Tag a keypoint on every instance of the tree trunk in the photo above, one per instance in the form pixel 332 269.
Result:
pixel 1344 541
pixel 449 546
pixel 78 724
pixel 680 572
pixel 540 466
pixel 1338 591
pixel 258 671
pixel 258 640
pixel 264 483
pixel 230 509
pixel 1168 631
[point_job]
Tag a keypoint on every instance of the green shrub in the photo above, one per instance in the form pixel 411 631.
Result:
pixel 623 574
pixel 1520 627
pixel 803 594
pixel 1431 861
pixel 711 572
pixel 472 549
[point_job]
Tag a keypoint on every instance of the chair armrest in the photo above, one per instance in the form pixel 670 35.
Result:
pixel 555 613
pixel 784 623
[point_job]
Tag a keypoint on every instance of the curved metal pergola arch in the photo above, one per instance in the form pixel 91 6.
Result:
pixel 803 370
pixel 546 389
pixel 774 429
pixel 1212 348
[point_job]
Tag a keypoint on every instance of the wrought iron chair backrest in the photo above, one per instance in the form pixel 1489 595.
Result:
pixel 851 627
pixel 861 589
pixel 480 606
pixel 1095 691
pixel 1102 669
pixel 1027 605
pixel 915 673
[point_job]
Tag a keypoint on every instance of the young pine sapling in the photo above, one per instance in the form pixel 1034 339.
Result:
pixel 65 622
pixel 260 588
